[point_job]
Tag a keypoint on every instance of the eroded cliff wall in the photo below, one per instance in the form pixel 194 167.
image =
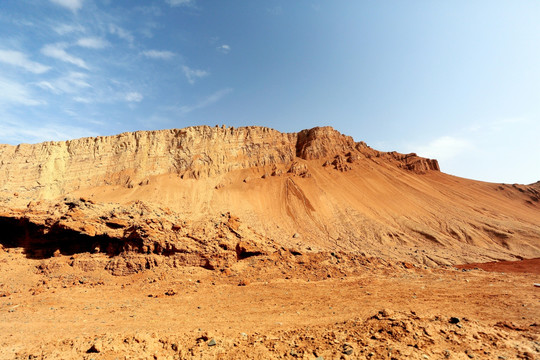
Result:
pixel 51 169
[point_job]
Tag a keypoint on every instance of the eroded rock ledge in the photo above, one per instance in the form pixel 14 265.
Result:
pixel 128 238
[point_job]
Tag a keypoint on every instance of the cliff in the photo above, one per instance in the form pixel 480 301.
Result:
pixel 50 169
pixel 169 196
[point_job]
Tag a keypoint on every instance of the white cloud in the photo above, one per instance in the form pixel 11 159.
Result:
pixel 121 33
pixel 57 51
pixel 134 97
pixel 12 92
pixel 180 2
pixel 158 54
pixel 16 131
pixel 71 83
pixel 215 97
pixel 64 29
pixel 72 5
pixel 46 85
pixel 193 74
pixel 83 100
pixel 225 49
pixel 93 43
pixel 19 59
pixel 444 148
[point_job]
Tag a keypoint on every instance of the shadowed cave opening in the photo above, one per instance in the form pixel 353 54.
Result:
pixel 41 242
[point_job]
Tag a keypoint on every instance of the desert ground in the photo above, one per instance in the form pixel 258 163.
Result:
pixel 305 310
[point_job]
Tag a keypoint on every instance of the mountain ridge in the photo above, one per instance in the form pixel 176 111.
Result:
pixel 314 191
pixel 128 158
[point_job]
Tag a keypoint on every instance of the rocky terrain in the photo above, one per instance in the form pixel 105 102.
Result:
pixel 249 243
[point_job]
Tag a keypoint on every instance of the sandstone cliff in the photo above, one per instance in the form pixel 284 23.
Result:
pixel 50 169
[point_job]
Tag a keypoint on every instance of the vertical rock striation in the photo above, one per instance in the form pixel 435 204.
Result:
pixel 51 169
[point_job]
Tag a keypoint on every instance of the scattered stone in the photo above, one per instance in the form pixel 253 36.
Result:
pixel 293 353
pixel 296 235
pixel 447 353
pixel 347 349
pixel 407 265
pixel 97 347
pixel 454 320
pixel 212 342
pixel 299 169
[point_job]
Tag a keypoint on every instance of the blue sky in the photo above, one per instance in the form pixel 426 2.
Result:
pixel 454 80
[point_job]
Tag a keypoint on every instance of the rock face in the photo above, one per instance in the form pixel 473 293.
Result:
pixel 132 237
pixel 322 142
pixel 129 158
pixel 51 169
pixel 163 196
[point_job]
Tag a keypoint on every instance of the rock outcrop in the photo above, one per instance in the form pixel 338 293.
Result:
pixel 133 237
pixel 322 142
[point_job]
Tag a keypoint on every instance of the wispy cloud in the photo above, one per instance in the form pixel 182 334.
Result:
pixel 72 5
pixel 93 43
pixel 225 49
pixel 159 54
pixel 64 29
pixel 121 33
pixel 71 83
pixel 444 148
pixel 83 100
pixel 193 74
pixel 13 131
pixel 180 2
pixel 57 51
pixel 19 59
pixel 215 97
pixel 134 97
pixel 153 10
pixel 12 92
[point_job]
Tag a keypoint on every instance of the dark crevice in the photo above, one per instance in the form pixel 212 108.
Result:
pixel 42 242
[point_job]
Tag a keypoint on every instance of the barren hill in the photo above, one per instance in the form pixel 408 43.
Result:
pixel 340 251
pixel 178 192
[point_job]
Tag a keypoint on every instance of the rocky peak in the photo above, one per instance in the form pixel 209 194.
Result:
pixel 322 142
